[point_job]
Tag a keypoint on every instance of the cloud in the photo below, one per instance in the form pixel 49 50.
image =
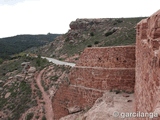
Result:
pixel 43 16
pixel 10 2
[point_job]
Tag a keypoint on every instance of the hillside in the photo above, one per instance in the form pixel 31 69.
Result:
pixel 25 95
pixel 19 43
pixel 30 95
pixel 91 32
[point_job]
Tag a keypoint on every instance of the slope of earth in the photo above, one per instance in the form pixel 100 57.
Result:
pixel 91 32
pixel 26 95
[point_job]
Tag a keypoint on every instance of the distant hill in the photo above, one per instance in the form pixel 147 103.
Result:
pixel 19 43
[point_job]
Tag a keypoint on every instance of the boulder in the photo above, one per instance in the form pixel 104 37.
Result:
pixel 31 70
pixel 7 95
pixel 74 109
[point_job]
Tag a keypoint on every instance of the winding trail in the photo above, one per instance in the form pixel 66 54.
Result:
pixel 48 103
pixel 47 100
pixel 58 62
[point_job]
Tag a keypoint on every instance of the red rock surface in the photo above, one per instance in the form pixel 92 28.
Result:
pixel 148 65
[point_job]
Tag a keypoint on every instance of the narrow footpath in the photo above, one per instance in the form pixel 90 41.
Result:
pixel 48 103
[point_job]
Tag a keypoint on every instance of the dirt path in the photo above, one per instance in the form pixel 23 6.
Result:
pixel 48 102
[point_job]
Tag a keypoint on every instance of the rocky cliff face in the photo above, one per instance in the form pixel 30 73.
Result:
pixel 148 65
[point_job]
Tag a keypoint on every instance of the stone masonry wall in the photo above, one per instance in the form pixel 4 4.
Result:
pixel 104 78
pixel 147 87
pixel 71 99
pixel 109 57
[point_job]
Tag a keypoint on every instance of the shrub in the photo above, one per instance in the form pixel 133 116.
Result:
pixel 89 46
pixel 29 116
pixel 44 118
pixel 37 117
pixel 1 60
pixel 38 62
pixel 119 21
pixel 109 33
pixel 54 78
pixel 67 39
pixel 91 34
pixel 96 42
pixel 117 91
pixel 76 58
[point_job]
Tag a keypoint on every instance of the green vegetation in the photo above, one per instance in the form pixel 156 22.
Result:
pixel 91 34
pixel 12 67
pixel 96 42
pixel 89 46
pixel 19 101
pixel 109 33
pixel 54 78
pixel 1 60
pixel 37 117
pixel 19 43
pixel 41 62
pixel 44 118
pixel 29 116
pixel 20 98
pixel 121 91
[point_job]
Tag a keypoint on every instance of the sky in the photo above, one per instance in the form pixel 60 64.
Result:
pixel 54 16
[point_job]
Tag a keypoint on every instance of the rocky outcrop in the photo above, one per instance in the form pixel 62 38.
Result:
pixel 91 26
pixel 86 23
pixel 147 88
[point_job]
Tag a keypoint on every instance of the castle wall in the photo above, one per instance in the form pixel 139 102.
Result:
pixel 147 89
pixel 108 57
pixel 98 69
pixel 104 78
pixel 70 98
